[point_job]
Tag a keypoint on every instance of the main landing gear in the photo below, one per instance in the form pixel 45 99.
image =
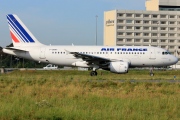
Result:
pixel 93 73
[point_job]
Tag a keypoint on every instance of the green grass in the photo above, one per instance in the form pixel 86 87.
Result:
pixel 74 95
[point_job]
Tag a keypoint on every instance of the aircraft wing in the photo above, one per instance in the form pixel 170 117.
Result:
pixel 90 58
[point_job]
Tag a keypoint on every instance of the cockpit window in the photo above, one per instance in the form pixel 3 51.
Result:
pixel 166 53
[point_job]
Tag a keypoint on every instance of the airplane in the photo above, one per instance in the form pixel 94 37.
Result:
pixel 116 59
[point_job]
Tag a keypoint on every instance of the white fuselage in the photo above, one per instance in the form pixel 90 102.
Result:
pixel 136 56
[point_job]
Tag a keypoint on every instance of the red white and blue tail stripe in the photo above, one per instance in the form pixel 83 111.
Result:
pixel 20 34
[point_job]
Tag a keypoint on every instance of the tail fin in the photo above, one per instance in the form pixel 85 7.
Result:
pixel 20 34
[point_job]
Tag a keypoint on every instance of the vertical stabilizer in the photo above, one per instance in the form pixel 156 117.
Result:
pixel 20 34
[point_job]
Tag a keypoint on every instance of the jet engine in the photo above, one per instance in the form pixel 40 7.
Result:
pixel 119 67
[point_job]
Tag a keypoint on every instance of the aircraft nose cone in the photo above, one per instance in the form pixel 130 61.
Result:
pixel 175 60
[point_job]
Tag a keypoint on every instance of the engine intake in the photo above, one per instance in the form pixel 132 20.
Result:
pixel 119 67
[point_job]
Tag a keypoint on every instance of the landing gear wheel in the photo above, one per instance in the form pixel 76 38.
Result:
pixel 151 74
pixel 93 73
pixel 151 71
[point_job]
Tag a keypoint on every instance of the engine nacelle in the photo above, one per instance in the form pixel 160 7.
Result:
pixel 119 67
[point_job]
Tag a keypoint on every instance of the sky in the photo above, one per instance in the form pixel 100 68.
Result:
pixel 62 22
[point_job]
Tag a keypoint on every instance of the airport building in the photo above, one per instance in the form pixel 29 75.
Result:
pixel 158 25
pixel 162 5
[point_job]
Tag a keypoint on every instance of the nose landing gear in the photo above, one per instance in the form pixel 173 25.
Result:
pixel 151 72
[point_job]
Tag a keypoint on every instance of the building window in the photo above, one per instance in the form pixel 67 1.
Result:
pixel 137 40
pixel 163 41
pixel 120 15
pixel 138 15
pixel 129 21
pixel 120 21
pixel 154 40
pixel 146 16
pixel 146 34
pixel 163 28
pixel 171 34
pixel 155 22
pixel 171 47
pixel 129 27
pixel 146 28
pixel 120 40
pixel 137 34
pixel 164 47
pixel 146 40
pixel 120 33
pixel 154 34
pixel 138 28
pixel 154 28
pixel 154 16
pixel 163 22
pixel 138 21
pixel 128 15
pixel 171 29
pixel 163 9
pixel 129 34
pixel 171 9
pixel 146 22
pixel 129 40
pixel 172 16
pixel 172 23
pixel 120 27
pixel 163 34
pixel 163 16
pixel 171 41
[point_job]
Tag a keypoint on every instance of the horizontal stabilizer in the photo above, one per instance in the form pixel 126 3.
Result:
pixel 16 49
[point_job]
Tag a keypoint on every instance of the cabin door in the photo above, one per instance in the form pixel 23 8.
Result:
pixel 42 53
pixel 152 54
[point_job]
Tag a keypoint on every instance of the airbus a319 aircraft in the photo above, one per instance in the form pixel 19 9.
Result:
pixel 117 59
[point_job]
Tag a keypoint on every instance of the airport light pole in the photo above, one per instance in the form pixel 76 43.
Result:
pixel 96 29
pixel 11 62
pixel 17 59
pixel 1 60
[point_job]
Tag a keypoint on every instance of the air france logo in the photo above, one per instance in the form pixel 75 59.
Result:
pixel 124 49
pixel 110 22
